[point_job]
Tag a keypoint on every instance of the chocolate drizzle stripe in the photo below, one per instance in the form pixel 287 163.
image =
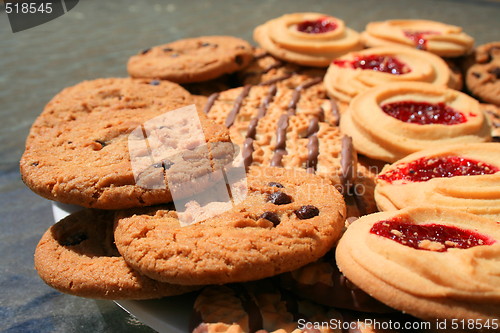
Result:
pixel 252 126
pixel 313 127
pixel 237 106
pixel 210 102
pixel 292 106
pixel 247 152
pixel 335 112
pixel 312 152
pixel 280 148
pixel 277 64
pixel 346 162
pixel 276 79
pixel 255 321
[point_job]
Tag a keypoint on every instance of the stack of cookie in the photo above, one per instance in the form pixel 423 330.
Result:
pixel 286 155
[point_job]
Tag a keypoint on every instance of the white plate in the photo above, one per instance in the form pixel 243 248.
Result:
pixel 163 315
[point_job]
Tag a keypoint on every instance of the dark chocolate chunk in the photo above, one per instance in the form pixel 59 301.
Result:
pixel 272 217
pixel 74 239
pixel 307 212
pixel 279 198
pixel 275 184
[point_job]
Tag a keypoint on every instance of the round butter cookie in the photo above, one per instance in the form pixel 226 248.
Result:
pixel 483 76
pixel 308 39
pixel 432 263
pixel 356 72
pixel 394 120
pixel 192 59
pixel 292 128
pixel 77 256
pixel 462 177
pixel 439 38
pixel 81 148
pixel 288 219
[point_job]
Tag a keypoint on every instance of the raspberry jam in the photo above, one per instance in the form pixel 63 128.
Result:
pixel 418 37
pixel 379 63
pixel 423 113
pixel 425 168
pixel 318 26
pixel 429 237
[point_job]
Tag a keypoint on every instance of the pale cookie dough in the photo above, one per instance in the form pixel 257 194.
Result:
pixel 439 38
pixel 432 263
pixel 462 177
pixel 309 39
pixel 417 116
pixel 356 72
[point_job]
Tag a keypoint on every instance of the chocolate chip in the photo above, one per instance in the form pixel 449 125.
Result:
pixel 275 184
pixel 238 60
pixel 145 51
pixel 35 164
pixel 476 74
pixel 74 239
pixel 495 71
pixel 272 217
pixel 207 44
pixel 307 212
pixel 279 198
pixel 168 49
pixel 155 83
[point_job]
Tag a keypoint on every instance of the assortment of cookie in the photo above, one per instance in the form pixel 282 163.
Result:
pixel 319 227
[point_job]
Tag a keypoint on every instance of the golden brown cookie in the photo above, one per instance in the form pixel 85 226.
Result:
pixel 291 128
pixel 81 151
pixel 462 177
pixel 492 112
pixel 356 72
pixel 192 59
pixel 439 38
pixel 77 256
pixel 483 76
pixel 432 263
pixel 412 116
pixel 308 39
pixel 288 219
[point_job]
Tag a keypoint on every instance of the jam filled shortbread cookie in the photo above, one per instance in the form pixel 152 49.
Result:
pixel 256 307
pixel 442 39
pixel 358 71
pixel 412 117
pixel 78 256
pixel 429 262
pixel 483 77
pixel 291 128
pixel 288 219
pixel 308 39
pixel 79 149
pixel 464 177
pixel 192 60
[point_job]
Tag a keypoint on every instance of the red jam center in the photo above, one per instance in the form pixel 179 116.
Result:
pixel 379 63
pixel 318 26
pixel 429 237
pixel 418 37
pixel 426 168
pixel 423 113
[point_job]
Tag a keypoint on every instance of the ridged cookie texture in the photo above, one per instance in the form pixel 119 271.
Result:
pixel 77 256
pixel 288 219
pixel 78 150
pixel 276 125
pixel 432 263
pixel 192 59
pixel 461 177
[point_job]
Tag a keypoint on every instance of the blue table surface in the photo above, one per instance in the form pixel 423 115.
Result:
pixel 95 40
